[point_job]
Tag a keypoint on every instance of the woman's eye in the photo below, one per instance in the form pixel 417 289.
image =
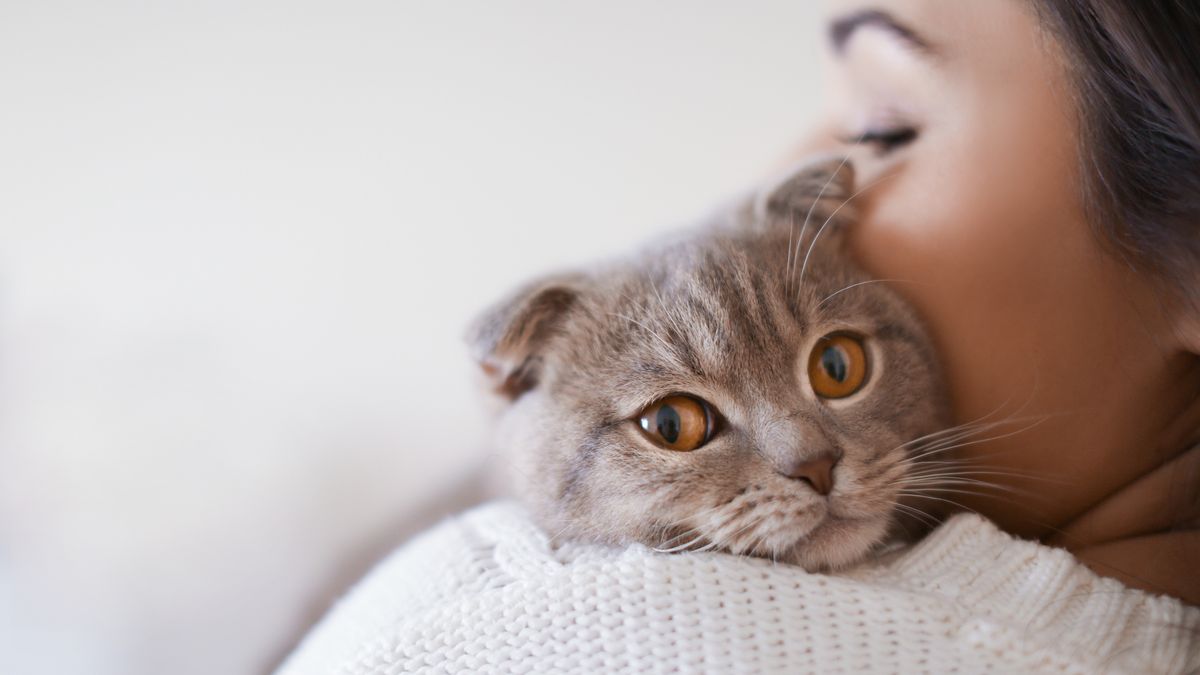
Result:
pixel 678 422
pixel 886 140
pixel 837 366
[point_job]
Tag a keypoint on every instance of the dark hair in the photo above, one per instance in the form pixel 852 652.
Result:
pixel 1136 71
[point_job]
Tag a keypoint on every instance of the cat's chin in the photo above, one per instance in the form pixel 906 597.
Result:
pixel 837 543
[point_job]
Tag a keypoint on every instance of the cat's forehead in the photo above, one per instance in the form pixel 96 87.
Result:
pixel 721 308
pixel 739 270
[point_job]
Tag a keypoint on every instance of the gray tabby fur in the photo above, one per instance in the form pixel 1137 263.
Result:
pixel 727 312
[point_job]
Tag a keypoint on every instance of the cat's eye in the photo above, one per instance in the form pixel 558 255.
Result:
pixel 678 422
pixel 837 366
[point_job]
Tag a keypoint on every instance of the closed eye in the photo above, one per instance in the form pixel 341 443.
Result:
pixel 885 140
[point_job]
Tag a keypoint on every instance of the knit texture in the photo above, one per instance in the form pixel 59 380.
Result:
pixel 485 592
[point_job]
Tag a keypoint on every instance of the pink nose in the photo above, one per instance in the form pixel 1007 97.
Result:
pixel 818 473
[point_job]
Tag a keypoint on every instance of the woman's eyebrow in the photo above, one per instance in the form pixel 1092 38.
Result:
pixel 842 29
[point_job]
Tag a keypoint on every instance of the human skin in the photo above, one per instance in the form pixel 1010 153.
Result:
pixel 979 220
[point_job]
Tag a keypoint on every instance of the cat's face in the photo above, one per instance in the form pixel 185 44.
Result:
pixel 736 389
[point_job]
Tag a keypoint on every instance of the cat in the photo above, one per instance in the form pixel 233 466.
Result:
pixel 741 387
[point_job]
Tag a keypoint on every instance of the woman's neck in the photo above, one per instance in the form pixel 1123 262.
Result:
pixel 1147 534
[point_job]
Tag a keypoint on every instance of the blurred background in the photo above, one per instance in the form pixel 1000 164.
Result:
pixel 239 243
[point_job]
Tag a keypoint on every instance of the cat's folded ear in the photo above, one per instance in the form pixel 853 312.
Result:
pixel 815 191
pixel 508 340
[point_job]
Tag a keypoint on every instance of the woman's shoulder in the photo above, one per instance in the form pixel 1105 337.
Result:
pixel 487 590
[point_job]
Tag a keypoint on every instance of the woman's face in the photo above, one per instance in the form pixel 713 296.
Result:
pixel 973 208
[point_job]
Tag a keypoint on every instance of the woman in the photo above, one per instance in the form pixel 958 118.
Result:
pixel 1031 182
pixel 1035 189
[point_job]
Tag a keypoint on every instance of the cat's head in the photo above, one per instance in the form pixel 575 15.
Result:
pixel 743 387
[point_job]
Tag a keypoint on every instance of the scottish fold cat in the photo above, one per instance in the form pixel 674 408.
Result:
pixel 740 387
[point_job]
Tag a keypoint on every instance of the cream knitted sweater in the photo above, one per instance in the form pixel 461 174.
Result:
pixel 485 593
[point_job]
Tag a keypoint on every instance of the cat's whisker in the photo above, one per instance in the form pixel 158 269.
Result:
pixel 787 267
pixel 925 495
pixel 940 496
pixel 988 472
pixel 989 439
pixel 663 313
pixel 980 489
pixel 709 511
pixel 930 479
pixel 959 464
pixel 962 484
pixel 949 445
pixel 813 243
pixel 807 217
pixel 936 437
pixel 920 516
pixel 933 464
pixel 667 543
pixel 1006 496
pixel 930 446
pixel 943 445
pixel 960 505
pixel 861 283
pixel 728 540
pixel 977 461
pixel 957 476
pixel 932 440
pixel 921 454
pixel 697 524
pixel 569 523
pixel 926 477
pixel 754 547
pixel 935 444
pixel 651 331
pixel 935 457
pixel 973 422
pixel 945 475
pixel 926 518
pixel 964 430
pixel 681 547
pixel 667 313
pixel 682 534
pixel 751 526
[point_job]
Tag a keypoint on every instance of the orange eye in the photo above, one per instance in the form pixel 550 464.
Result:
pixel 837 366
pixel 678 423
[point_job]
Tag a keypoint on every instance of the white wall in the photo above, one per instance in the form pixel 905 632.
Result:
pixel 238 245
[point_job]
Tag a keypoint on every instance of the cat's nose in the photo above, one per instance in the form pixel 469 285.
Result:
pixel 818 473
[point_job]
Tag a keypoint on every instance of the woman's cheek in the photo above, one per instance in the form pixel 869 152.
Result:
pixel 960 249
